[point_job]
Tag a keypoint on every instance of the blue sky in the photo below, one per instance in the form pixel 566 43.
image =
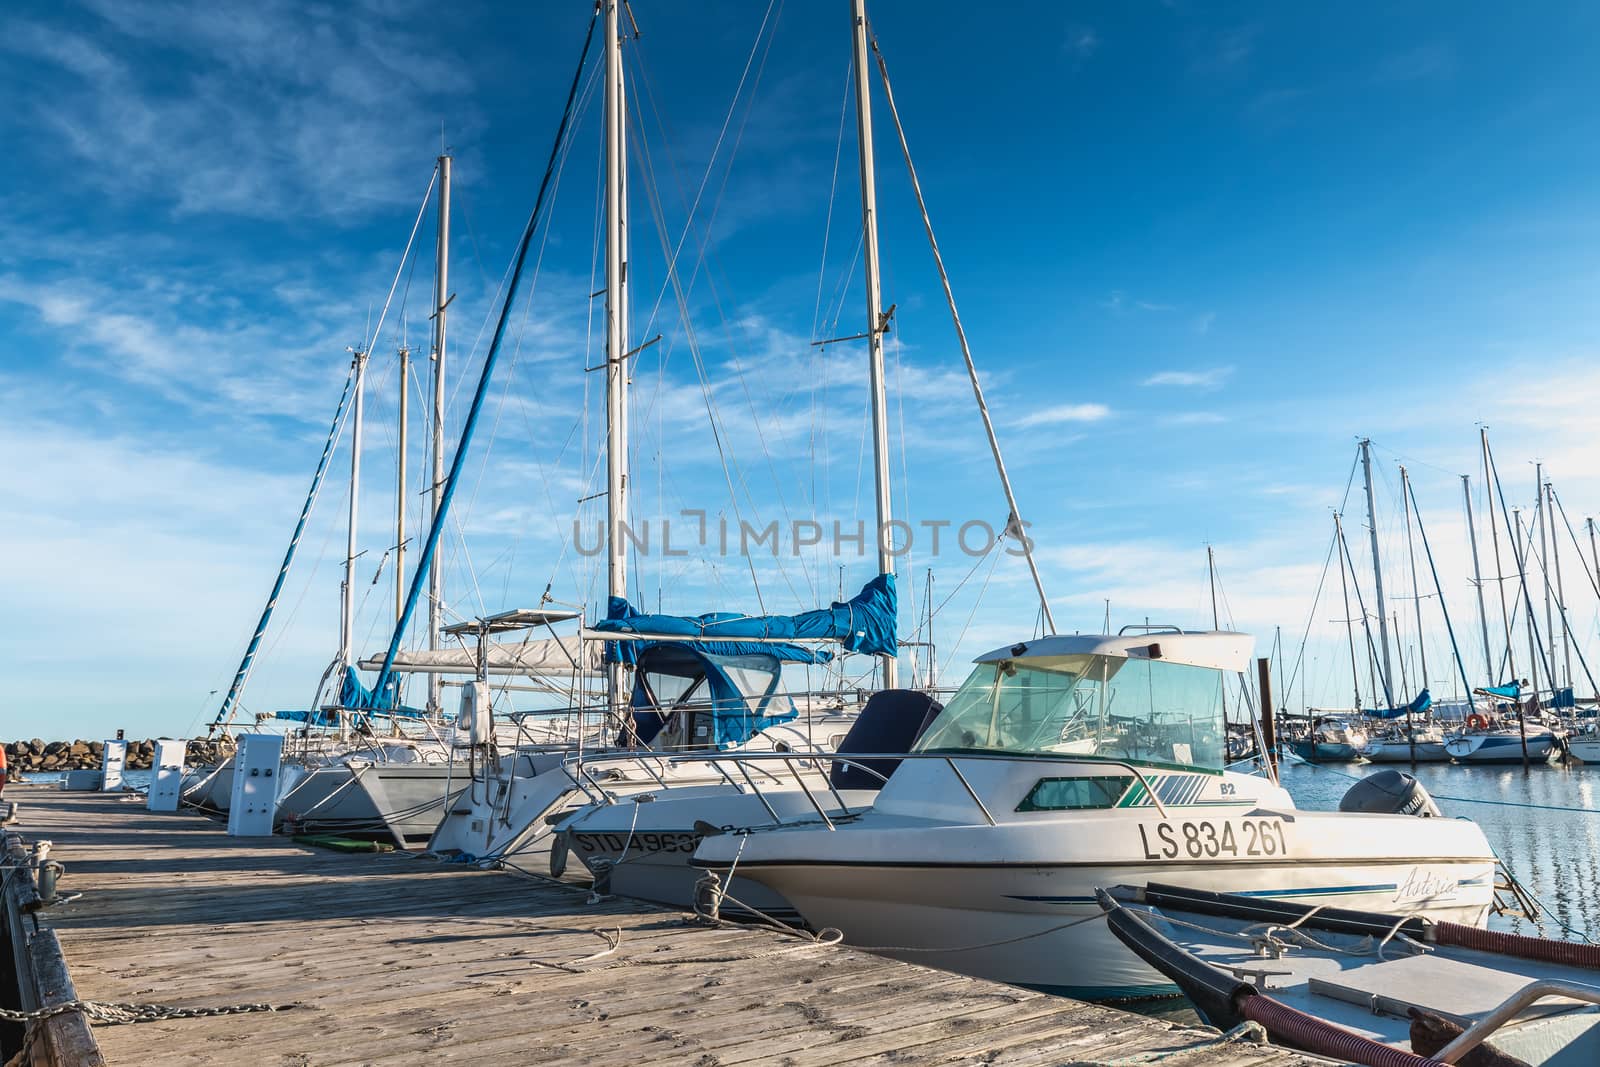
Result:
pixel 1199 249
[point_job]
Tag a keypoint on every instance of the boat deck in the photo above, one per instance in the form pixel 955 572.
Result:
pixel 392 958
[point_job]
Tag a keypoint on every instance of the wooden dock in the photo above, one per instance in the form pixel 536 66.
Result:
pixel 396 959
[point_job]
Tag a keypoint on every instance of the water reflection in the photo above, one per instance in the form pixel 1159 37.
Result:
pixel 1555 853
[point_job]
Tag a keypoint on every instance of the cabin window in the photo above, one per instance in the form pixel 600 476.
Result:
pixel 1074 794
pixel 1146 711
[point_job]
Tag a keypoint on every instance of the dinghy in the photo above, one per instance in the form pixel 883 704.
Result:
pixel 1368 988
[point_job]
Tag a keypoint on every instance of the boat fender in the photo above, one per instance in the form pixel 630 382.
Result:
pixel 1430 1033
pixel 1477 722
pixel 601 869
pixel 3 771
pixel 560 847
pixel 1389 792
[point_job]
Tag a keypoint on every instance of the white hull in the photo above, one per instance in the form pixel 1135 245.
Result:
pixel 1402 752
pixel 504 813
pixel 648 843
pixel 922 876
pixel 402 800
pixel 1586 749
pixel 1039 926
pixel 1500 747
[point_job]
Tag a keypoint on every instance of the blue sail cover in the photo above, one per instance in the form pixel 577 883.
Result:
pixel 353 696
pixel 864 623
pixel 740 677
pixel 1418 706
pixel 1510 691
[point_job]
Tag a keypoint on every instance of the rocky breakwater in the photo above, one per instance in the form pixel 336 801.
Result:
pixel 47 756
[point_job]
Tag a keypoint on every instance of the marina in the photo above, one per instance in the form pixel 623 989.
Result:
pixel 387 958
pixel 648 673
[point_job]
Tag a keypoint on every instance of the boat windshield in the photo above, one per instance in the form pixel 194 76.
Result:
pixel 1151 711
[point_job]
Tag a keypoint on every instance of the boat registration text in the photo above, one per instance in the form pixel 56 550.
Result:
pixel 1209 839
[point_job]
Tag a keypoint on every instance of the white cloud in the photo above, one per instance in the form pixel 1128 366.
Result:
pixel 260 110
pixel 1195 418
pixel 1210 378
pixel 1064 413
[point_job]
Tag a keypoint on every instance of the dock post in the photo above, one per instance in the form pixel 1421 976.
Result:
pixel 167 783
pixel 255 785
pixel 112 758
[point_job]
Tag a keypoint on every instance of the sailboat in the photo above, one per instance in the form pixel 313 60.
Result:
pixel 641 845
pixel 676 686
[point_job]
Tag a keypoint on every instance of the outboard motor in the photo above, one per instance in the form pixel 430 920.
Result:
pixel 1389 792
pixel 891 721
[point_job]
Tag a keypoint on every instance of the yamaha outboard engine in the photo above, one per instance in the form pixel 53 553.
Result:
pixel 1389 792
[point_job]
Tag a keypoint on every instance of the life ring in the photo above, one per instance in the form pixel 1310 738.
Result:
pixel 1477 722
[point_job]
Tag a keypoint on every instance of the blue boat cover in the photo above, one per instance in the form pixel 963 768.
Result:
pixel 864 623
pixel 740 677
pixel 1510 690
pixel 1418 706
pixel 353 696
pixel 1562 698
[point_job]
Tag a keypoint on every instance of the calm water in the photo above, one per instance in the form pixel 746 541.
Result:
pixel 1554 853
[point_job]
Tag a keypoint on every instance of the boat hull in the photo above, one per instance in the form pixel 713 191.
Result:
pixel 1500 748
pixel 1039 926
pixel 1401 752
pixel 1326 751
pixel 1586 749
pixel 644 847
pixel 403 801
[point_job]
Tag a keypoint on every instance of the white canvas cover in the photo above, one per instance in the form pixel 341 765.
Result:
pixel 542 657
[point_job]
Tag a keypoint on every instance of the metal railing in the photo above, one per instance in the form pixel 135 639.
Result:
pixel 859 760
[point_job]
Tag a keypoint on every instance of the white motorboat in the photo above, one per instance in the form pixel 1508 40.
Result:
pixel 1072 762
pixel 640 845
pixel 1584 746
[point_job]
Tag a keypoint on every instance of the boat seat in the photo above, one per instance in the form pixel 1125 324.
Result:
pixel 1459 991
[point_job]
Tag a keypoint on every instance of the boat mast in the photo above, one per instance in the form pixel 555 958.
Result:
pixel 877 321
pixel 1211 571
pixel 1416 598
pixel 1477 582
pixel 441 300
pixel 347 588
pixel 1377 572
pixel 400 492
pixel 616 313
pixel 1349 624
pixel 1499 572
pixel 1533 636
pixel 1593 555
pixel 1561 593
pixel 1544 569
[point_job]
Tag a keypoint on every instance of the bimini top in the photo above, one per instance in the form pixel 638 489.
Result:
pixel 1215 649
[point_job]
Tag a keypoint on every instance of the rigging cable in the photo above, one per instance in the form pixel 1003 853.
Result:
pixel 1014 520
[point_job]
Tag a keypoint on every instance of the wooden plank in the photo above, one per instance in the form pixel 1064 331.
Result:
pixel 64 1039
